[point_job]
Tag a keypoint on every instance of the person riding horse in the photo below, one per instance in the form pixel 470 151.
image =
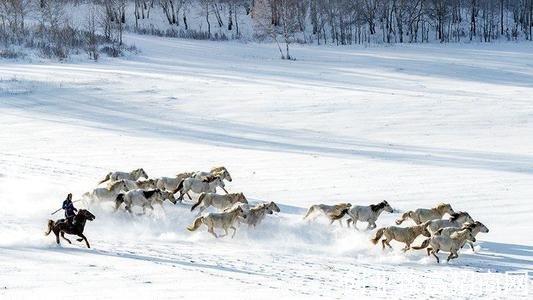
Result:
pixel 70 210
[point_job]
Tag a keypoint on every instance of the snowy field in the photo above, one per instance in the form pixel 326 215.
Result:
pixel 415 125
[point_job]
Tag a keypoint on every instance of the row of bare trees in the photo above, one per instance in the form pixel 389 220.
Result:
pixel 360 21
pixel 401 21
pixel 341 22
pixel 345 22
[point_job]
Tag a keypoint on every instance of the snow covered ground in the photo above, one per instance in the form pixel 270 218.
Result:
pixel 415 125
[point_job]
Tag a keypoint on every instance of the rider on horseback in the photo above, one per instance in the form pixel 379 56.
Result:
pixel 70 210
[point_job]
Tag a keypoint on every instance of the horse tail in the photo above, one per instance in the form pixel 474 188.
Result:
pixel 107 177
pixel 49 229
pixel 425 243
pixel 404 217
pixel 195 224
pixel 119 200
pixel 309 211
pixel 180 186
pixel 378 235
pixel 200 199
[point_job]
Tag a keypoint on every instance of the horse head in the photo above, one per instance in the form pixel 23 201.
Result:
pixel 168 195
pixel 224 174
pixel 86 214
pixel 445 208
pixel 425 231
pixel 241 198
pixel 467 234
pixel 140 173
pixel 273 206
pixel 482 227
pixel 240 212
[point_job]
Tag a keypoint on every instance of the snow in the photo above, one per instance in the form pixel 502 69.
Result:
pixel 414 124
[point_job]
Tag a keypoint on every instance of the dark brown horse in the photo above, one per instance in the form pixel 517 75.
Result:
pixel 62 226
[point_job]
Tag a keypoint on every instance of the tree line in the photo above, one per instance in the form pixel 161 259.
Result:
pixel 338 22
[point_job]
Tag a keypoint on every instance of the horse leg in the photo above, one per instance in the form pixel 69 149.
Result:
pixel 224 190
pixel 57 236
pixel 407 247
pixel 63 236
pixel 85 239
pixel 371 225
pixel 433 252
pixel 471 245
pixel 225 232
pixel 355 224
pixel 234 231
pixel 383 244
pixel 387 242
pixel 188 195
pixel 453 254
pixel 428 249
pixel 449 257
pixel 212 231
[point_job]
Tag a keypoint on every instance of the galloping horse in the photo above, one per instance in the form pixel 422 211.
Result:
pixel 62 226
pixel 133 175
pixel 422 215
pixel 368 214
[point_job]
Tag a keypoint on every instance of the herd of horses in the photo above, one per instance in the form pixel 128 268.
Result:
pixel 136 189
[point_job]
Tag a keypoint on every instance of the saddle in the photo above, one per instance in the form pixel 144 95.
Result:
pixel 68 225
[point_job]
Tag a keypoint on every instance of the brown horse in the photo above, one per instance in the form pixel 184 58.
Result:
pixel 62 226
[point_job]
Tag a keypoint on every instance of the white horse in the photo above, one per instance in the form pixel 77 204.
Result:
pixel 199 186
pixel 367 214
pixel 224 220
pixel 332 212
pixel 107 194
pixel 220 202
pixel 255 215
pixel 451 243
pixel 133 175
pixel 140 184
pixel 475 228
pixel 401 234
pixel 171 183
pixel 142 198
pixel 422 215
pixel 456 220
pixel 221 172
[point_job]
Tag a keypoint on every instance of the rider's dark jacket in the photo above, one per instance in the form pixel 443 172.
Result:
pixel 69 208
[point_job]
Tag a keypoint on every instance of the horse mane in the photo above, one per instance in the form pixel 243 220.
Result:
pixel 339 216
pixel 211 178
pixel 186 174
pixel 377 207
pixel 457 215
pixel 469 226
pixel 259 207
pixel 149 193
pixel 114 184
pixel 218 169
pixel 441 205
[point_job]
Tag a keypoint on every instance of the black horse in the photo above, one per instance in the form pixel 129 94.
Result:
pixel 62 226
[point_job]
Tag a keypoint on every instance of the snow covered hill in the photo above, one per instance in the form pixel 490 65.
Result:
pixel 415 125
